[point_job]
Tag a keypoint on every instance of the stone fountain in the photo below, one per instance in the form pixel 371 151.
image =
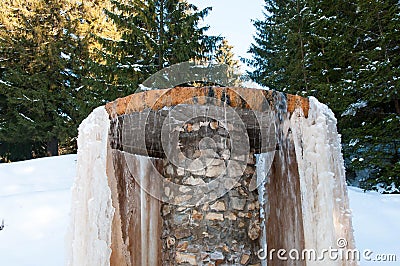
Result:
pixel 209 176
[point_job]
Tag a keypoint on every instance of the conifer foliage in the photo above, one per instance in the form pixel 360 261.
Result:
pixel 41 69
pixel 224 55
pixel 154 34
pixel 60 59
pixel 346 53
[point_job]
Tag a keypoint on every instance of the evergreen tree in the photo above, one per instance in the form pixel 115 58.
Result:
pixel 331 57
pixel 280 48
pixel 302 47
pixel 42 69
pixel 61 59
pixel 154 34
pixel 370 125
pixel 346 54
pixel 224 55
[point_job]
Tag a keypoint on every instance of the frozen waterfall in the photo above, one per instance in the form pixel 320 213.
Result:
pixel 196 176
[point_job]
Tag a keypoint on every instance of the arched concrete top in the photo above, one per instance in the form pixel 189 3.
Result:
pixel 245 98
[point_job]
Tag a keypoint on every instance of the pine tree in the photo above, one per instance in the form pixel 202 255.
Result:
pixel 42 66
pixel 61 59
pixel 302 47
pixel 331 59
pixel 280 48
pixel 224 55
pixel 346 54
pixel 155 34
pixel 371 135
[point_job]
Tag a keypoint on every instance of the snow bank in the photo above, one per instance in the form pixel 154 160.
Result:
pixel 34 203
pixel 89 233
pixel 376 222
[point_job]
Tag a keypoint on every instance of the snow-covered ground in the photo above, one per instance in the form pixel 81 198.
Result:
pixel 35 203
pixel 376 223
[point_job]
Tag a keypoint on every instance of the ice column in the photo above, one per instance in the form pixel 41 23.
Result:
pixel 326 217
pixel 89 234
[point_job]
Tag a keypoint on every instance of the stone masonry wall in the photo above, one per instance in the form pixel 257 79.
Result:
pixel 224 230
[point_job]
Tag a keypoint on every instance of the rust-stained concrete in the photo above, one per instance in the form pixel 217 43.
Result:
pixel 235 97
pixel 146 114
pixel 137 223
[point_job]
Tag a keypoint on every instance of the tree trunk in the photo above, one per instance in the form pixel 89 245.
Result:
pixel 303 59
pixel 397 105
pixel 52 147
pixel 161 37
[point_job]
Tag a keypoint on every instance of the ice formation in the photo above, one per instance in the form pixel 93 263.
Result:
pixel 88 238
pixel 323 214
pixel 302 193
pixel 326 216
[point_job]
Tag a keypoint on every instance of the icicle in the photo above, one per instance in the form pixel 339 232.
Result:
pixel 89 233
pixel 263 164
pixel 322 178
